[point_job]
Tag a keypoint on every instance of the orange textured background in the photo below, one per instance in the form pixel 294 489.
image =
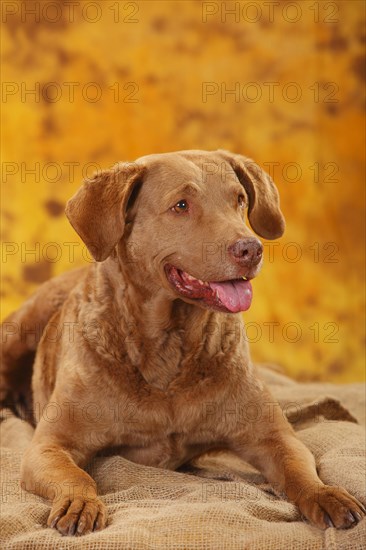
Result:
pixel 151 63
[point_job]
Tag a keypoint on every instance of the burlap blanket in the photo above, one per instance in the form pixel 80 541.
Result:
pixel 225 505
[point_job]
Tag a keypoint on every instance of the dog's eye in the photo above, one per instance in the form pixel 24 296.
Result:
pixel 241 201
pixel 181 206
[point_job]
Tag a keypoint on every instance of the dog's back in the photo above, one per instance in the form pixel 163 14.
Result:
pixel 21 332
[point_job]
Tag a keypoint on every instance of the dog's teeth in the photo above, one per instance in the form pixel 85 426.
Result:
pixel 190 279
pixel 244 278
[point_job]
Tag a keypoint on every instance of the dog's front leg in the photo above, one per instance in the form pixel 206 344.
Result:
pixel 50 469
pixel 272 447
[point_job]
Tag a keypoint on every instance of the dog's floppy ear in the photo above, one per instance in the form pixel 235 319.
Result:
pixel 97 210
pixel 264 212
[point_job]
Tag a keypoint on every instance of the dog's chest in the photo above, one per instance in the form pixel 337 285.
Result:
pixel 181 405
pixel 167 391
pixel 165 429
pixel 179 414
pixel 158 361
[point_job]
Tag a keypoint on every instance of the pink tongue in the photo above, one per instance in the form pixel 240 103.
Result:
pixel 235 295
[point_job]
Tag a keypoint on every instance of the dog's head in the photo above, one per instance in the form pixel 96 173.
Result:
pixel 177 220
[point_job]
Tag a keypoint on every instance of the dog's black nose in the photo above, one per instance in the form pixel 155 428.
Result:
pixel 247 252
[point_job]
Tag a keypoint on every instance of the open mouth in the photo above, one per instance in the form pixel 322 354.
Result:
pixel 229 296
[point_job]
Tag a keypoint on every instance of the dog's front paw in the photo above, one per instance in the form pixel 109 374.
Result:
pixel 328 506
pixel 77 516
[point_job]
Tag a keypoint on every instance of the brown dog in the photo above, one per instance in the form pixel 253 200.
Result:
pixel 136 346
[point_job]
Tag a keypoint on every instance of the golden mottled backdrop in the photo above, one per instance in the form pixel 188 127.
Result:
pixel 88 83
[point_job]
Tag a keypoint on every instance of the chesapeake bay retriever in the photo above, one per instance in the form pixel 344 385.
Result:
pixel 132 349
